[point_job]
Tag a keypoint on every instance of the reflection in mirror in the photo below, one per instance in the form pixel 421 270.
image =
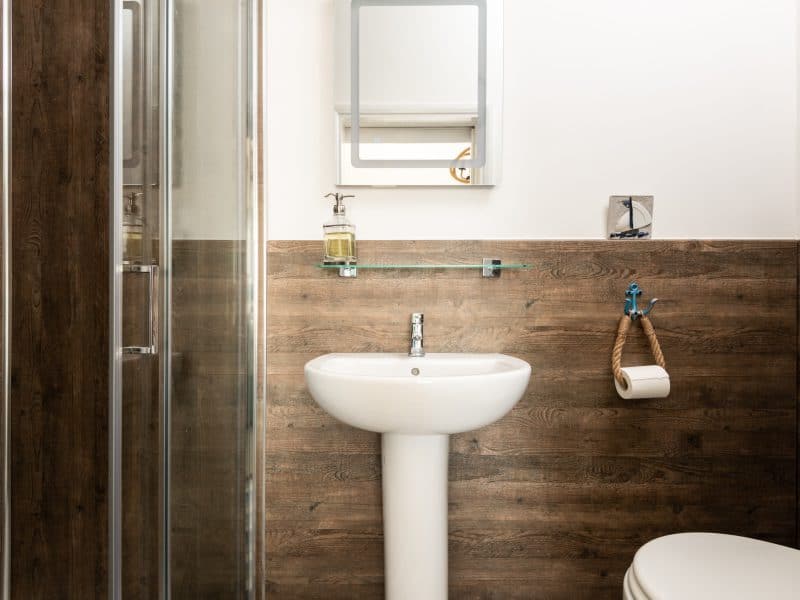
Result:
pixel 425 78
pixel 132 82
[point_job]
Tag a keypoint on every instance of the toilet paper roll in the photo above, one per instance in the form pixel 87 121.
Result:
pixel 650 381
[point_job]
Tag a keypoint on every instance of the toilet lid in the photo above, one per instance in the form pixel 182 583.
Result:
pixel 686 566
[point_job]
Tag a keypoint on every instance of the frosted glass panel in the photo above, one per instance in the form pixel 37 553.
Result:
pixel 208 119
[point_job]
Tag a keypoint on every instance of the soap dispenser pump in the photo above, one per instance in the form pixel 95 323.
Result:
pixel 339 235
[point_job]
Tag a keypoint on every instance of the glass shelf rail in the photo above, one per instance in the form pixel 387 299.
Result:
pixel 490 267
pixel 424 266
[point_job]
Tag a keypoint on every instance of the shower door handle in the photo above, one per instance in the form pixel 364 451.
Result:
pixel 152 309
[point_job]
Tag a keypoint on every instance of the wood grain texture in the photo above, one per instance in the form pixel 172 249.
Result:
pixel 553 500
pixel 60 269
pixel 141 448
pixel 210 422
pixel 261 321
pixel 210 430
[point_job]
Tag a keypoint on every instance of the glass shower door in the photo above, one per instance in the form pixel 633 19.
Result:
pixel 209 334
pixel 186 362
pixel 139 438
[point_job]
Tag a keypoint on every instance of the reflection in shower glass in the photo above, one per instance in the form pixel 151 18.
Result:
pixel 187 208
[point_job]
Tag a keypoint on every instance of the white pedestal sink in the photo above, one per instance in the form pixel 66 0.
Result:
pixel 416 403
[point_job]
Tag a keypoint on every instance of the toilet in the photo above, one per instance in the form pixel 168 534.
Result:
pixel 691 566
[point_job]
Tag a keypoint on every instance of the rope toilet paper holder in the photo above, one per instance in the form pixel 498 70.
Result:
pixel 634 313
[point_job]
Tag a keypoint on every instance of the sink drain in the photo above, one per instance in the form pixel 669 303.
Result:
pixel 415 371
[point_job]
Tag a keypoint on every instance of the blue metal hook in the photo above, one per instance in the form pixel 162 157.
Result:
pixel 631 304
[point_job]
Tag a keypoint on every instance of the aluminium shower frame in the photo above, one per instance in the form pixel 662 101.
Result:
pixel 5 317
pixel 251 188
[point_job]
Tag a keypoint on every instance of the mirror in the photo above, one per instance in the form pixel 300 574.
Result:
pixel 139 93
pixel 132 86
pixel 418 92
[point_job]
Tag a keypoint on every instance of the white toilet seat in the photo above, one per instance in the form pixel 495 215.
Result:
pixel 632 589
pixel 689 566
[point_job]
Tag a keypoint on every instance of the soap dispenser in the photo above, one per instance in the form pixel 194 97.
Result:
pixel 339 235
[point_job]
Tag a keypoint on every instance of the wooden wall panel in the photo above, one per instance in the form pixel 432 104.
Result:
pixel 60 272
pixel 141 449
pixel 210 421
pixel 553 500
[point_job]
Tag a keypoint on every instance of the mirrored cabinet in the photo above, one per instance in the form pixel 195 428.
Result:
pixel 418 92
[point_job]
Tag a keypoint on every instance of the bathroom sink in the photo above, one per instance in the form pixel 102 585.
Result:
pixel 415 402
pixel 434 394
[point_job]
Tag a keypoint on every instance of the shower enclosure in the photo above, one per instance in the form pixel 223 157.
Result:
pixel 185 279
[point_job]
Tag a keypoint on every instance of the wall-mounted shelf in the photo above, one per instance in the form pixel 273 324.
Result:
pixel 490 267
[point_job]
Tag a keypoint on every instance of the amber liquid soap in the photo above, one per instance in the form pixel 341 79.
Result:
pixel 339 236
pixel 340 247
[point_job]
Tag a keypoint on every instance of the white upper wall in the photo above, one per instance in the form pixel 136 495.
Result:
pixel 208 120
pixel 692 101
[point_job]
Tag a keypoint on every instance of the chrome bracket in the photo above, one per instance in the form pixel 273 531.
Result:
pixel 348 271
pixel 490 267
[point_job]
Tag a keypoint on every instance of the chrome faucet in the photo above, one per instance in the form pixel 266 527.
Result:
pixel 416 335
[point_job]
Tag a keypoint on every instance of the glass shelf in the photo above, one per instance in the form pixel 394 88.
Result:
pixel 489 267
pixel 424 266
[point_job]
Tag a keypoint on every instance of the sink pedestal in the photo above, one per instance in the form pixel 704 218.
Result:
pixel 415 515
pixel 415 403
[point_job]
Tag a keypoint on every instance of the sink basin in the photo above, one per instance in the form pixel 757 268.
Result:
pixel 434 394
pixel 415 403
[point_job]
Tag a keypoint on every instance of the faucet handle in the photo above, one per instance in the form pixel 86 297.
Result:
pixel 417 350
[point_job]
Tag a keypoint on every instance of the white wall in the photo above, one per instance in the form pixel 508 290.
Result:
pixel 208 116
pixel 694 101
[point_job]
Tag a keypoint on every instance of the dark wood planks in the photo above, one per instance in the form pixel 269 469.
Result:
pixel 553 500
pixel 60 270
pixel 211 424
